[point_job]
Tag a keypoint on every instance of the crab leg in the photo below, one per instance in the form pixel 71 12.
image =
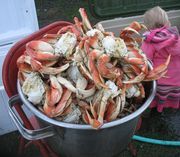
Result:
pixel 22 65
pixel 156 77
pixel 93 111
pixel 136 61
pixel 48 109
pixel 93 122
pixel 109 110
pixel 54 111
pixel 62 103
pixel 84 71
pixel 159 71
pixel 103 69
pixel 123 98
pixel 113 109
pixel 53 95
pixel 85 20
pixel 137 79
pixel 78 25
pixel 48 100
pixel 56 90
pixel 82 94
pixel 103 105
pixel 68 108
pixel 93 42
pixel 66 83
pixel 141 89
pixel 54 71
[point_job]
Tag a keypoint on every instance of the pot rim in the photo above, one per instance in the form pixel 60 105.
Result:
pixel 85 126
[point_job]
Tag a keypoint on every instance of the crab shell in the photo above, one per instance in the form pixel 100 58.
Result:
pixel 66 44
pixel 33 87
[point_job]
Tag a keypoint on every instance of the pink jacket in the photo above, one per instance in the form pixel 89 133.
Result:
pixel 158 44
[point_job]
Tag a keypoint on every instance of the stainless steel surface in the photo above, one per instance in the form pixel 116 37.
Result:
pixel 107 142
pixel 26 133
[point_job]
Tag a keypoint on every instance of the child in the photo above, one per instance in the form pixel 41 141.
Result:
pixel 160 41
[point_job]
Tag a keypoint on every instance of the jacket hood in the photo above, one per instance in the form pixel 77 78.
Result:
pixel 164 37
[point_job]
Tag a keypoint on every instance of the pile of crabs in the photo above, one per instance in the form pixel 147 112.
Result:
pixel 84 74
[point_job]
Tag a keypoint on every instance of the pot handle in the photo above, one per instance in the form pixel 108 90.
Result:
pixel 26 133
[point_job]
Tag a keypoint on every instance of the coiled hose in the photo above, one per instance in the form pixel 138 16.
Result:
pixel 155 141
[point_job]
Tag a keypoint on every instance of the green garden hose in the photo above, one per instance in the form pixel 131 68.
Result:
pixel 155 141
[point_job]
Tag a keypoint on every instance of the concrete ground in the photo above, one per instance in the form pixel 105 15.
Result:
pixel 161 126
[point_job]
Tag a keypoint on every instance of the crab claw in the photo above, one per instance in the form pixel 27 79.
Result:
pixel 128 30
pixel 137 26
pixel 62 103
pixel 27 64
pixel 54 111
pixel 134 27
pixel 48 109
pixel 93 69
pixel 71 29
pixel 56 90
pixel 22 65
pixel 37 66
pixel 51 38
pixel 40 50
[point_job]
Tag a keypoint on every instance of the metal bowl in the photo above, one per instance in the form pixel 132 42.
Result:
pixel 71 140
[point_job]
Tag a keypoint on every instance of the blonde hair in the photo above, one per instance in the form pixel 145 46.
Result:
pixel 156 18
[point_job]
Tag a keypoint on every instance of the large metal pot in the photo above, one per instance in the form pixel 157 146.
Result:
pixel 75 140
